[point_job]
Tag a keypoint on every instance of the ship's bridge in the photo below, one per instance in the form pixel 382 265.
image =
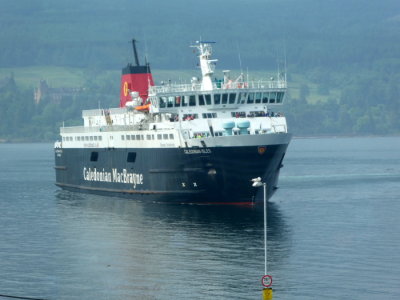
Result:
pixel 230 95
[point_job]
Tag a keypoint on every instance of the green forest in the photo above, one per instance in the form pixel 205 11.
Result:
pixel 342 57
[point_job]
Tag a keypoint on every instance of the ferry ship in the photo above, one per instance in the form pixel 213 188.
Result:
pixel 197 142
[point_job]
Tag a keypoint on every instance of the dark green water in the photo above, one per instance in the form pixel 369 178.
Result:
pixel 333 232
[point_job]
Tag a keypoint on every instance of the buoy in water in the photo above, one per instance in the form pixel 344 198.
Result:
pixel 267 293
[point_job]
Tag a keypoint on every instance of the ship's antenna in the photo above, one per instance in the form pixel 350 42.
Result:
pixel 240 59
pixel 284 52
pixel 135 52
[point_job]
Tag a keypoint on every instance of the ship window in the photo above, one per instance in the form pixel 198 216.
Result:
pixel 91 138
pixel 95 137
pixel 94 156
pixel 171 101
pixel 100 137
pixel 208 99
pixel 159 136
pixel 192 100
pixel 232 98
pixel 279 97
pixel 224 98
pixel 258 97
pixel 185 100
pixel 188 117
pixel 86 138
pixel 138 137
pixel 177 101
pixel 142 137
pixel 122 137
pixel 250 98
pixel 217 98
pixel 265 97
pixel 272 98
pixel 201 100
pixel 163 102
pixel 171 136
pixel 128 137
pixel 165 136
pixel 148 137
pixel 131 157
pixel 242 98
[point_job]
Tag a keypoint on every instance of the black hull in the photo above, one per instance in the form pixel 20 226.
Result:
pixel 179 175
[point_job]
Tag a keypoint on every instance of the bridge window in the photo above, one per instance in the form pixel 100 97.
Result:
pixel 208 99
pixel 201 100
pixel 163 102
pixel 177 101
pixel 258 98
pixel 224 98
pixel 272 97
pixel 265 97
pixel 242 98
pixel 217 98
pixel 171 136
pixel 279 97
pixel 171 101
pixel 192 100
pixel 232 98
pixel 250 98
pixel 185 100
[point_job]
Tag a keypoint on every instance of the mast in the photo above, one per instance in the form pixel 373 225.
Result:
pixel 207 64
pixel 135 52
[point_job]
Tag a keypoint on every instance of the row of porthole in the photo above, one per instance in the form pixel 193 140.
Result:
pixel 82 138
pixel 138 137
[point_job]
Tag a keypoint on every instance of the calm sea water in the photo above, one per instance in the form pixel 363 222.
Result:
pixel 333 232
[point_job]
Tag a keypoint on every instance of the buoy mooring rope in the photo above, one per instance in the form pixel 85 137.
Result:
pixel 266 280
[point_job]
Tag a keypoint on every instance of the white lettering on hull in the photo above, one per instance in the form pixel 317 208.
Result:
pixel 115 175
pixel 197 151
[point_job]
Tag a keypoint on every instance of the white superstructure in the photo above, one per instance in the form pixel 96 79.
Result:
pixel 205 112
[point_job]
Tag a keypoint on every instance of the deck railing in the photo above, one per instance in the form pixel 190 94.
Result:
pixel 218 86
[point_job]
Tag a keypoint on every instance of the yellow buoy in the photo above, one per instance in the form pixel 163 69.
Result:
pixel 267 293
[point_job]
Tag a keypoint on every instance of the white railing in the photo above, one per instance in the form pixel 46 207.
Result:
pixel 218 86
pixel 90 129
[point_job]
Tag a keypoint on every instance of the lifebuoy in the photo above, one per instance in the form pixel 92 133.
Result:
pixel 269 280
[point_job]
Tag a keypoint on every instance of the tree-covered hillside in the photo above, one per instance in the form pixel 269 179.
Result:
pixel 342 57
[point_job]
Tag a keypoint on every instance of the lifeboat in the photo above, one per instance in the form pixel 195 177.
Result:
pixel 145 107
